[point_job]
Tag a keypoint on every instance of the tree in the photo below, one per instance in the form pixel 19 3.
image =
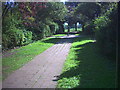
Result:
pixel 90 10
pixel 87 12
pixel 8 7
pixel 29 12
pixel 57 11
pixel 71 18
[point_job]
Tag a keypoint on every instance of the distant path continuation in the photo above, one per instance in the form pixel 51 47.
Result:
pixel 41 71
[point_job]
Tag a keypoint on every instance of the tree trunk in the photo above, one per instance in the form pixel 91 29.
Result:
pixel 75 26
pixel 68 29
pixel 83 27
pixel 62 28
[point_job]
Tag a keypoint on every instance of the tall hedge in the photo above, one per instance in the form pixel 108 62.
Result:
pixel 106 28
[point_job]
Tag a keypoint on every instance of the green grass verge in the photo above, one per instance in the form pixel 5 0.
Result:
pixel 60 35
pixel 24 54
pixel 86 68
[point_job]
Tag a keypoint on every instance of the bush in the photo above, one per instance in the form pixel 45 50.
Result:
pixel 54 28
pixel 106 26
pixel 47 28
pixel 5 41
pixel 89 28
pixel 27 37
pixel 47 31
pixel 12 38
pixel 16 37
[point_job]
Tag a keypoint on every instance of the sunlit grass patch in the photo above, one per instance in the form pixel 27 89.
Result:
pixel 77 34
pixel 82 42
pixel 71 61
pixel 60 35
pixel 69 82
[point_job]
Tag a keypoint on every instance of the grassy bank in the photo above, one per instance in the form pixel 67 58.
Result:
pixel 16 58
pixel 86 68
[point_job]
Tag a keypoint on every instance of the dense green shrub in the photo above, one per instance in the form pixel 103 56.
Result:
pixel 89 28
pixel 48 28
pixel 11 38
pixel 13 35
pixel 46 31
pixel 27 37
pixel 106 27
pixel 54 28
pixel 10 32
pixel 16 37
pixel 5 41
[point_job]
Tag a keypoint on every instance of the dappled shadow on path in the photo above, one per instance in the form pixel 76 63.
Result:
pixel 61 39
pixel 95 71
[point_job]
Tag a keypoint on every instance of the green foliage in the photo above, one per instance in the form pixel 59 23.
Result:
pixel 54 27
pixel 13 35
pixel 100 22
pixel 46 31
pixel 86 12
pixel 27 37
pixel 16 37
pixel 10 21
pixel 89 28
pixel 5 40
pixel 20 29
pixel 56 10
pixel 106 26
pixel 89 10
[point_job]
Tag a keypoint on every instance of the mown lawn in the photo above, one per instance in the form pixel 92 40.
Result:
pixel 85 67
pixel 24 54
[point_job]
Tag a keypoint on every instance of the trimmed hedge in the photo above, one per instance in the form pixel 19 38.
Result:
pixel 106 28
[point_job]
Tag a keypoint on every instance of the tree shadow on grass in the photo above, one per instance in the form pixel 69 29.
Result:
pixel 95 71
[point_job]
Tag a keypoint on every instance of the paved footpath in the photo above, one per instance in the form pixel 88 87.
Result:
pixel 41 71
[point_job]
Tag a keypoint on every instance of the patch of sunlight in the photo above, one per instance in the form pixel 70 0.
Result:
pixel 82 42
pixel 77 34
pixel 70 64
pixel 71 82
